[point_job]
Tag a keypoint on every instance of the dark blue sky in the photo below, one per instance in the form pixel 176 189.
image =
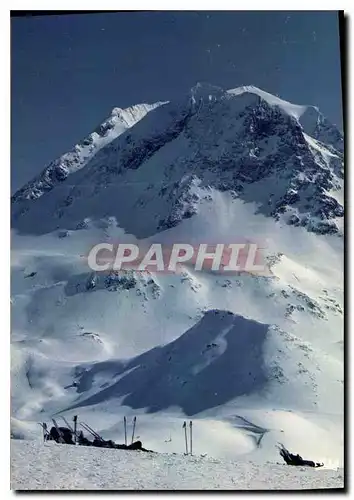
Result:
pixel 68 72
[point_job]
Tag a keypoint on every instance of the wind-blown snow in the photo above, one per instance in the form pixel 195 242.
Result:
pixel 294 110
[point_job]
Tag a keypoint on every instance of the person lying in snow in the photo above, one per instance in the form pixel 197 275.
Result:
pixel 137 445
pixel 64 436
pixel 82 440
pixel 291 459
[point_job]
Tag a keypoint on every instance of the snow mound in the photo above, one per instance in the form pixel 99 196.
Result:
pixel 217 360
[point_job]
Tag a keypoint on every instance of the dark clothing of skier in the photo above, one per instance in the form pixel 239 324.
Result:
pixel 292 459
pixel 82 440
pixel 64 433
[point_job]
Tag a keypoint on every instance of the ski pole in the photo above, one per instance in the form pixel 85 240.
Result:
pixel 185 435
pixel 75 428
pixel 72 430
pixel 45 430
pixel 190 430
pixel 134 422
pixel 125 431
pixel 67 424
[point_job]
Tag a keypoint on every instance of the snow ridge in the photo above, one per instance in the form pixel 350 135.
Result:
pixel 57 171
pixel 243 141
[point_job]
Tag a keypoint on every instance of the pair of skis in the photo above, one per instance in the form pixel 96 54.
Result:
pixel 91 431
pixel 46 433
pixel 125 430
pixel 190 436
pixel 84 426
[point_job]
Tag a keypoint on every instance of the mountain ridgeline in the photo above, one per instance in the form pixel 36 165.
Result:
pixel 146 160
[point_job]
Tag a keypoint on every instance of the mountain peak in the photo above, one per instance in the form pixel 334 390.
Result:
pixel 133 114
pixel 294 110
pixel 116 124
pixel 230 140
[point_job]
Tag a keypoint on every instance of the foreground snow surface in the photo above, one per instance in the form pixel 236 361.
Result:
pixel 51 466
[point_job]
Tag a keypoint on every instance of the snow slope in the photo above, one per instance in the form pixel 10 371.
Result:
pixel 60 467
pixel 252 359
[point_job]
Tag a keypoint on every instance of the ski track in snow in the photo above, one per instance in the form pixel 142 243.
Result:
pixel 51 466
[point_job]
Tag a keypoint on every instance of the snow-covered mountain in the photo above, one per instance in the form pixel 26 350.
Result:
pixel 243 141
pixel 254 359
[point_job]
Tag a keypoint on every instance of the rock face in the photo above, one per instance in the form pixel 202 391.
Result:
pixel 161 160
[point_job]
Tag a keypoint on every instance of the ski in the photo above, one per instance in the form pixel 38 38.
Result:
pixel 94 432
pixel 88 430
pixel 134 423
pixel 125 431
pixel 45 430
pixel 61 438
pixel 67 424
pixel 91 431
pixel 75 428
pixel 185 435
pixel 190 435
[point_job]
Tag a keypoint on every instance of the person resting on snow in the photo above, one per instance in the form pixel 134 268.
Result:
pixel 137 445
pixel 82 440
pixel 292 459
pixel 62 434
